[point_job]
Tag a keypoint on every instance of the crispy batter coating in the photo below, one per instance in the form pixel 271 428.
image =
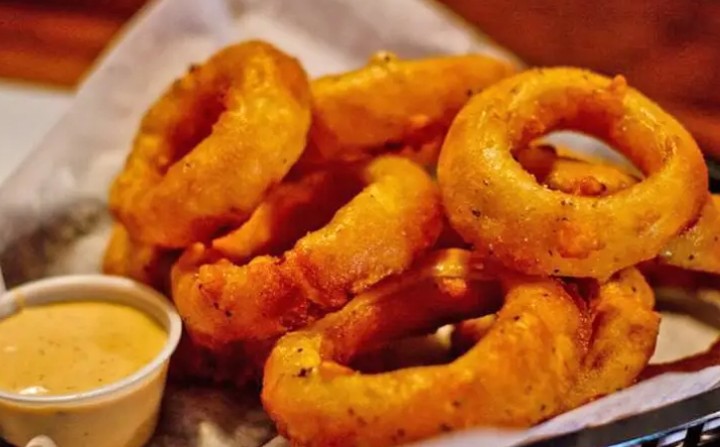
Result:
pixel 698 247
pixel 380 232
pixel 624 332
pixel 291 210
pixel 394 105
pixel 316 400
pixel 208 150
pixel 142 262
pixel 695 248
pixel 499 207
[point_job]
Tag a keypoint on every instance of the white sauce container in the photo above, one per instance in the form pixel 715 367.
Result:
pixel 121 414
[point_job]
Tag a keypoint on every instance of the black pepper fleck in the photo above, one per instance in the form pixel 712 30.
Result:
pixel 445 427
pixel 475 212
pixel 304 372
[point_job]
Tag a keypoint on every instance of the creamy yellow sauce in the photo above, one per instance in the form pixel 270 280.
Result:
pixel 75 346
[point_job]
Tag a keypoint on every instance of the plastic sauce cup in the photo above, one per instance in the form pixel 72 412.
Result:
pixel 120 414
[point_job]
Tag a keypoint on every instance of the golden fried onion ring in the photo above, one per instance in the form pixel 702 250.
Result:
pixel 695 248
pixel 624 332
pixel 316 400
pixel 378 233
pixel 500 208
pixel 245 110
pixel 698 247
pixel 291 210
pixel 391 104
pixel 625 329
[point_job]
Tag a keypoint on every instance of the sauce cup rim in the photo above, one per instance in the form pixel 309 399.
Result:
pixel 135 292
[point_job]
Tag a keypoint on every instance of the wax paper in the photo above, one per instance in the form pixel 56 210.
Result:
pixel 53 217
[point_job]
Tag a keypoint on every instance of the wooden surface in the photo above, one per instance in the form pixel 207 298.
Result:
pixel 55 41
pixel 669 49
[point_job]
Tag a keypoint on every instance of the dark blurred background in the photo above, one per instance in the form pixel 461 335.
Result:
pixel 669 49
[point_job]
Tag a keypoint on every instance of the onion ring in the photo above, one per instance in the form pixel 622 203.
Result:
pixel 624 332
pixel 695 248
pixel 378 233
pixel 317 401
pixel 291 210
pixel 391 104
pixel 247 108
pixel 496 205
pixel 144 263
pixel 698 247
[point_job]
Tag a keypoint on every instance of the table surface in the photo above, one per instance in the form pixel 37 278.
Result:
pixel 26 114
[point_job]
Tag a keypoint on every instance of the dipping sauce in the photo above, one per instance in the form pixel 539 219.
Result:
pixel 72 347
